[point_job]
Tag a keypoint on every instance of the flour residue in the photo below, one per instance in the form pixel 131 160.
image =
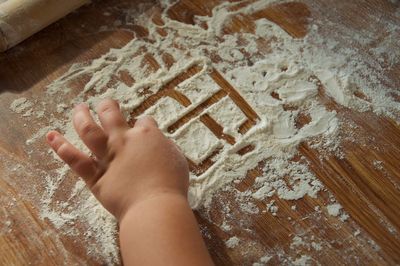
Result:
pixel 281 85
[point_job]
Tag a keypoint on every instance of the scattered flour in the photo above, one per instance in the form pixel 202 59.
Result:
pixel 232 242
pixel 300 181
pixel 316 246
pixel 334 209
pixel 20 105
pixel 270 82
pixel 61 107
pixel 296 242
pixel 302 261
pixel 272 208
pixel 249 207
pixel 378 165
pixel 226 227
pixel 263 261
pixel 343 217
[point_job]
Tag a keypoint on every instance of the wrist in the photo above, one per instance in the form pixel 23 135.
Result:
pixel 166 224
pixel 156 199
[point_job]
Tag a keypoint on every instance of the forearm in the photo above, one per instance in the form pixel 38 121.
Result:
pixel 162 231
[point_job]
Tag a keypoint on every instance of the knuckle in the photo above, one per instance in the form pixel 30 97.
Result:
pixel 73 160
pixel 152 119
pixel 87 128
pixel 107 106
pixel 115 142
pixel 68 158
pixel 149 120
pixel 144 129
pixel 61 150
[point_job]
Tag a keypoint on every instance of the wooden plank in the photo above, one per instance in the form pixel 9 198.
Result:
pixel 369 196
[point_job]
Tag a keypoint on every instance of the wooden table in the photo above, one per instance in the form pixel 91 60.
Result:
pixel 370 196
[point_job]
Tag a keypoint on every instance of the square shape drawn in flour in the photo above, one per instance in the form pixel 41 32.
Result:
pixel 165 111
pixel 197 142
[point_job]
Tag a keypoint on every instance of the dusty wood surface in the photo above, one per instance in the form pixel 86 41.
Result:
pixel 371 197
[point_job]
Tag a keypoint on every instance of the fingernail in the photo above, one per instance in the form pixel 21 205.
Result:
pixel 50 136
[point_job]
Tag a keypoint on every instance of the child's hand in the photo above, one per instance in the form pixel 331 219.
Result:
pixel 141 177
pixel 130 164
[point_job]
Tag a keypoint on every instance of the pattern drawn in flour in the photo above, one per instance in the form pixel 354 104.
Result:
pixel 198 133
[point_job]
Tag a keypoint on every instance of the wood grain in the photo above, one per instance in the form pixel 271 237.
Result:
pixel 371 196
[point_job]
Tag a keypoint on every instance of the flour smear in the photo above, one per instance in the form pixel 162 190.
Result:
pixel 276 74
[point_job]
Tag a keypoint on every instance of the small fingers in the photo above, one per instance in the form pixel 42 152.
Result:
pixel 79 162
pixel 110 116
pixel 146 121
pixel 89 131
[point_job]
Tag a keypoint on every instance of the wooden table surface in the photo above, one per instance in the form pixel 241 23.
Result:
pixel 370 196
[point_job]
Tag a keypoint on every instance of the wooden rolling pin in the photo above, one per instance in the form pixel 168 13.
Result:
pixel 20 19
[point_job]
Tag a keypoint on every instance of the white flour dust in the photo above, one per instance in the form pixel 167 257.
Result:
pixel 232 242
pixel 334 209
pixel 279 84
pixel 21 105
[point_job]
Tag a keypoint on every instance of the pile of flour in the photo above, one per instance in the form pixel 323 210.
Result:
pixel 280 84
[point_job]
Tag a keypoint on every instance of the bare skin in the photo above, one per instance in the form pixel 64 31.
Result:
pixel 140 177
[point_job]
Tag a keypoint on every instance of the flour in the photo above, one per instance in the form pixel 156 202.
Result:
pixel 300 183
pixel 198 88
pixel 280 85
pixel 20 105
pixel 165 105
pixel 196 141
pixel 334 209
pixel 249 208
pixel 82 207
pixel 343 217
pixel 272 208
pixel 228 115
pixel 316 246
pixel 302 261
pixel 296 242
pixel 378 165
pixel 263 261
pixel 61 107
pixel 232 242
pixel 226 227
